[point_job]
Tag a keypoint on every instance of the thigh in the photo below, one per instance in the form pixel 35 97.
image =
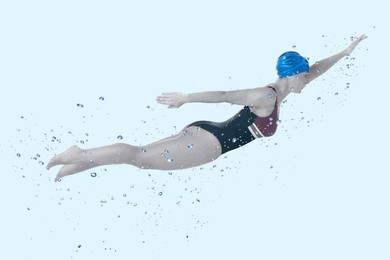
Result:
pixel 192 147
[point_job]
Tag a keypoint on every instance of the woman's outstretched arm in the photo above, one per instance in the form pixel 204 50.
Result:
pixel 250 97
pixel 322 66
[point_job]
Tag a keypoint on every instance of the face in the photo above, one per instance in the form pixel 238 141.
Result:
pixel 297 82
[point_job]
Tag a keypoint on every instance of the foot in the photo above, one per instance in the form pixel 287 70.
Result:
pixel 70 156
pixel 70 169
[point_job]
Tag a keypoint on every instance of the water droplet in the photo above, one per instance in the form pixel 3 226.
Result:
pixel 234 140
pixel 124 195
pixel 90 161
pixel 82 141
pixel 41 163
pixel 80 105
pixel 18 155
pixel 270 96
pixel 170 173
pixel 119 137
pixel 143 150
pixel 271 167
pixel 294 46
pixel 336 94
pixel 132 186
pixel 147 107
pixel 93 174
pixel 190 146
pixel 165 152
pixel 170 160
pixel 103 201
pixel 135 204
pixel 160 193
pixel 319 98
pixel 101 98
pixel 214 166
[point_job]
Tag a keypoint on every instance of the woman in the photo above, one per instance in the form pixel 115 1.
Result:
pixel 202 142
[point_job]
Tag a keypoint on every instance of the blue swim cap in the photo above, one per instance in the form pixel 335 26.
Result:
pixel 291 63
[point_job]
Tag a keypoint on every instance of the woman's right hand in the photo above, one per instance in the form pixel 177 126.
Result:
pixel 172 99
pixel 355 43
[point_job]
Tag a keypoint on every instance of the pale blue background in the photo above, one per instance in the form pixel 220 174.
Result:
pixel 318 189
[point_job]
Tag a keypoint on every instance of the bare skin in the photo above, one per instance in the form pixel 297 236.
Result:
pixel 169 154
pixel 193 146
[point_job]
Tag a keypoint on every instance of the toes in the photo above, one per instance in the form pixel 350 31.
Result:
pixel 51 163
pixel 69 170
pixel 64 171
pixel 64 157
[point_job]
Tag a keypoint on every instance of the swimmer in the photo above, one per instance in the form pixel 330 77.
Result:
pixel 204 141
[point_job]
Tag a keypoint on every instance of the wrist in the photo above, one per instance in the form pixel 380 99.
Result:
pixel 187 98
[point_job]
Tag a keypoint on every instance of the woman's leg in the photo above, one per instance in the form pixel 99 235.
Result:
pixel 192 147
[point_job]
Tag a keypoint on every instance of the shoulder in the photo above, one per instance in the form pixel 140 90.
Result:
pixel 266 102
pixel 249 97
pixel 264 96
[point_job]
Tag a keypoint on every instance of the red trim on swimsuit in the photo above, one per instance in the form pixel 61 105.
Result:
pixel 265 126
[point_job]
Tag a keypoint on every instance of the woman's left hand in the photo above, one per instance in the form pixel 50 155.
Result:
pixel 172 99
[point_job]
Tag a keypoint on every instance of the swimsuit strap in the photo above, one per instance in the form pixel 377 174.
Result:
pixel 274 90
pixel 276 94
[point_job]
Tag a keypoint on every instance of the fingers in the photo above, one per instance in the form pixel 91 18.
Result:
pixel 164 97
pixel 172 99
pixel 361 38
pixel 355 43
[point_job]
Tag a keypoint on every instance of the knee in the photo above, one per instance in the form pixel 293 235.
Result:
pixel 134 155
pixel 125 153
pixel 123 149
